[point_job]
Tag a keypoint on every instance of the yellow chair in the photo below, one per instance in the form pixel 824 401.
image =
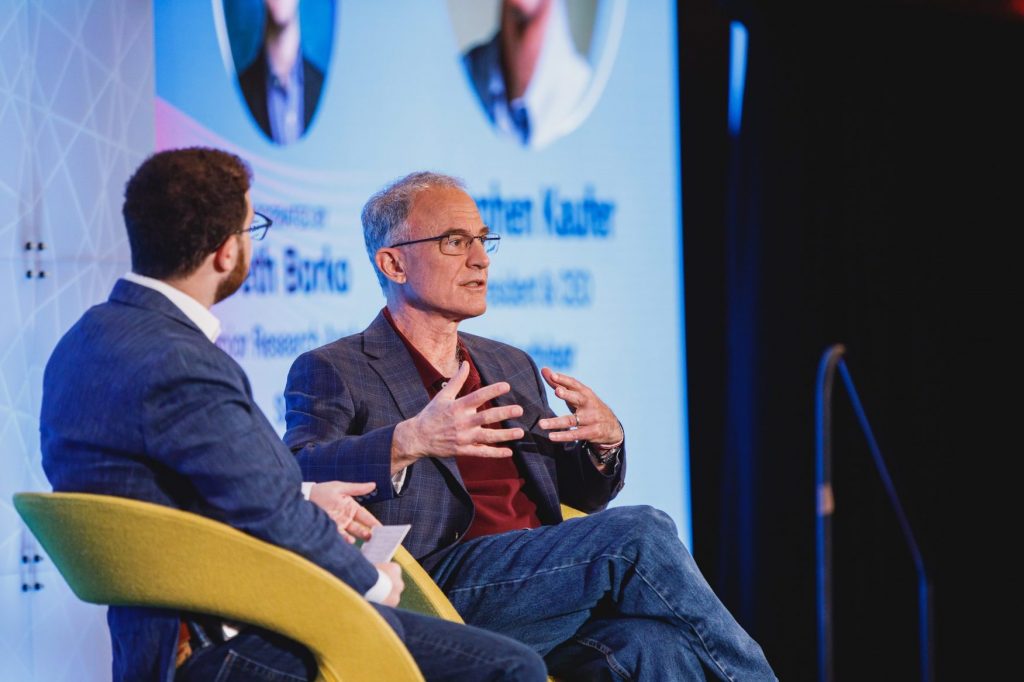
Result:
pixel 424 596
pixel 113 550
pixel 421 593
pixel 571 513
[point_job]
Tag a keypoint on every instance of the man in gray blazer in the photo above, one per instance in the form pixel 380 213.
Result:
pixel 139 402
pixel 456 432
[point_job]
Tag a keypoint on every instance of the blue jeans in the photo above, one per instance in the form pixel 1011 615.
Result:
pixel 443 651
pixel 615 591
pixel 612 649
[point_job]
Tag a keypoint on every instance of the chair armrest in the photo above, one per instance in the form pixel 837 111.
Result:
pixel 125 552
pixel 571 512
pixel 422 594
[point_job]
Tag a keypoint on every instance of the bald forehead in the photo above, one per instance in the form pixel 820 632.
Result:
pixel 438 209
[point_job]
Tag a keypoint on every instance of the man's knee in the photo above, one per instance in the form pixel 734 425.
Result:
pixel 646 535
pixel 516 662
pixel 527 666
pixel 643 520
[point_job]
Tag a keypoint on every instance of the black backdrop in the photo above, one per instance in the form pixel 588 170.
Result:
pixel 872 198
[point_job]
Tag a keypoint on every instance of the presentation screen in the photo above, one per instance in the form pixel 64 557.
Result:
pixel 560 116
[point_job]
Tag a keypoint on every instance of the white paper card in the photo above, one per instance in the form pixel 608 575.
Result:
pixel 384 542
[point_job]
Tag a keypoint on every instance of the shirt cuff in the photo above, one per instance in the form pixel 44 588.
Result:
pixel 380 590
pixel 398 480
pixel 604 447
pixel 307 488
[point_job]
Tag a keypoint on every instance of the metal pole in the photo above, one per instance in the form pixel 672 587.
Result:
pixel 825 507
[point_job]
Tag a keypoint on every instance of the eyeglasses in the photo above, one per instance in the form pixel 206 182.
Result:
pixel 259 227
pixel 457 243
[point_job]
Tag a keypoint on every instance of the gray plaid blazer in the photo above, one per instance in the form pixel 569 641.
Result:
pixel 345 398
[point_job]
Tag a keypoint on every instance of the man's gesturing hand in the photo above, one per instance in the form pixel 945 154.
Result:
pixel 335 498
pixel 450 425
pixel 590 418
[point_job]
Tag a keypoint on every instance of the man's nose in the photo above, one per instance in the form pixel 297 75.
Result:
pixel 477 255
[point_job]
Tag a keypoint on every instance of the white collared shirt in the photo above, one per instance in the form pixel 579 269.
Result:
pixel 199 314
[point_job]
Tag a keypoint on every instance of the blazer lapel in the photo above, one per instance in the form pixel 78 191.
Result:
pixel 391 361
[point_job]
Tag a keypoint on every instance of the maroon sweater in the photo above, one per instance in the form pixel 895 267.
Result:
pixel 496 485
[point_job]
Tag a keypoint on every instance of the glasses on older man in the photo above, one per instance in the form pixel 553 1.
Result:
pixel 457 243
pixel 260 225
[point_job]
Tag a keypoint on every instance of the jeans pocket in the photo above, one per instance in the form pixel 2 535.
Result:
pixel 238 668
pixel 609 655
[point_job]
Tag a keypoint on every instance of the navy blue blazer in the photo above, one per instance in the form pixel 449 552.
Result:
pixel 138 403
pixel 344 400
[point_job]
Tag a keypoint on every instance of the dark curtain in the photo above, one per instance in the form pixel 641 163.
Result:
pixel 871 198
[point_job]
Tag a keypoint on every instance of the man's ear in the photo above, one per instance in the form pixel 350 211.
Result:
pixel 390 263
pixel 226 254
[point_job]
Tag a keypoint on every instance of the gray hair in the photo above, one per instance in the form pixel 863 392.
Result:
pixel 385 212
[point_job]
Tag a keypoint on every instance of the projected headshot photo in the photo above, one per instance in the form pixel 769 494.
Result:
pixel 280 50
pixel 537 66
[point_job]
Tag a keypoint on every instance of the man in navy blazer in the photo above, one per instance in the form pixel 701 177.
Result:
pixel 280 86
pixel 139 402
pixel 457 434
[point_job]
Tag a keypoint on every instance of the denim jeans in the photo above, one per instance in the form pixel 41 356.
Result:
pixel 443 651
pixel 615 590
pixel 612 649
pixel 253 654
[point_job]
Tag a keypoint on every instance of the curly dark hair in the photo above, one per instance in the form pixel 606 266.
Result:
pixel 180 205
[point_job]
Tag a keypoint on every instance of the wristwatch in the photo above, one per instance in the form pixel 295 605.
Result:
pixel 602 456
